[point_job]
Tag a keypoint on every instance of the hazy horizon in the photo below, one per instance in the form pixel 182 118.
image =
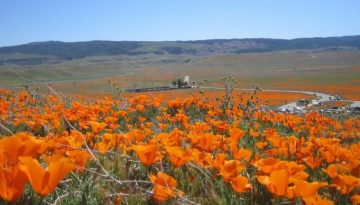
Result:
pixel 176 40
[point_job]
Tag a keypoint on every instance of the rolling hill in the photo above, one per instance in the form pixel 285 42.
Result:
pixel 50 52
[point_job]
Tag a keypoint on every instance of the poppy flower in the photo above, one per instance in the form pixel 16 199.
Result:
pixel 240 184
pixel 277 182
pixel 243 155
pixel 219 160
pixel 261 145
pixel 202 158
pixel 355 199
pixel 317 200
pixel 148 154
pixel 312 162
pixel 230 169
pixel 346 183
pixel 307 189
pixel 20 144
pixel 333 170
pixel 207 142
pixel 236 134
pixel 12 183
pixel 107 143
pixel 140 107
pixel 137 134
pixel 44 181
pixel 178 156
pixel 97 127
pixel 266 165
pixel 79 157
pixel 164 187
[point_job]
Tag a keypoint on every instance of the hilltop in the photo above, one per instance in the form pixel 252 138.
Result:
pixel 57 51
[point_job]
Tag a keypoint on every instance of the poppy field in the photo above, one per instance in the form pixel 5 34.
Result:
pixel 188 150
pixel 240 97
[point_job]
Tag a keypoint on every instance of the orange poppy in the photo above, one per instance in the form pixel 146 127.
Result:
pixel 202 158
pixel 317 200
pixel 78 157
pixel 230 169
pixel 20 144
pixel 97 126
pixel 164 187
pixel 312 162
pixel 178 156
pixel 219 160
pixel 240 184
pixel 243 154
pixel 44 181
pixel 207 142
pixel 277 183
pixel 266 165
pixel 148 154
pixel 107 143
pixel 333 170
pixel 346 183
pixel 307 189
pixel 12 183
pixel 236 134
pixel 355 199
pixel 261 145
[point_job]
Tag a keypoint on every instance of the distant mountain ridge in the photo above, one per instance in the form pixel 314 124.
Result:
pixel 53 51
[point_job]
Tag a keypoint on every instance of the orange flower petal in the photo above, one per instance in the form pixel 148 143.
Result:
pixel 44 181
pixel 240 184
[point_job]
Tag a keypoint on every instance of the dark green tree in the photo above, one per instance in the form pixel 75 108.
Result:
pixel 180 82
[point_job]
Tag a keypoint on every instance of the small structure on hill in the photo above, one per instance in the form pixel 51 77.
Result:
pixel 179 83
pixel 187 80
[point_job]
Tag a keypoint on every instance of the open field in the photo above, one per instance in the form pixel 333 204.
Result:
pixel 262 98
pixel 333 72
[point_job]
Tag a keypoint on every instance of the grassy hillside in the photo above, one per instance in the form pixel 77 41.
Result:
pixel 323 64
pixel 55 51
pixel 335 72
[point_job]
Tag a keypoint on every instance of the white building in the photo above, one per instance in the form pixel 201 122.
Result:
pixel 187 80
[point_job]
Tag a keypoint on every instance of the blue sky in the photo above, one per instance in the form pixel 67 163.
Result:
pixel 80 20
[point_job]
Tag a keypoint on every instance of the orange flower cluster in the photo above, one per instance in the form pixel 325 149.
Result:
pixel 264 97
pixel 311 158
pixel 164 187
pixel 19 164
